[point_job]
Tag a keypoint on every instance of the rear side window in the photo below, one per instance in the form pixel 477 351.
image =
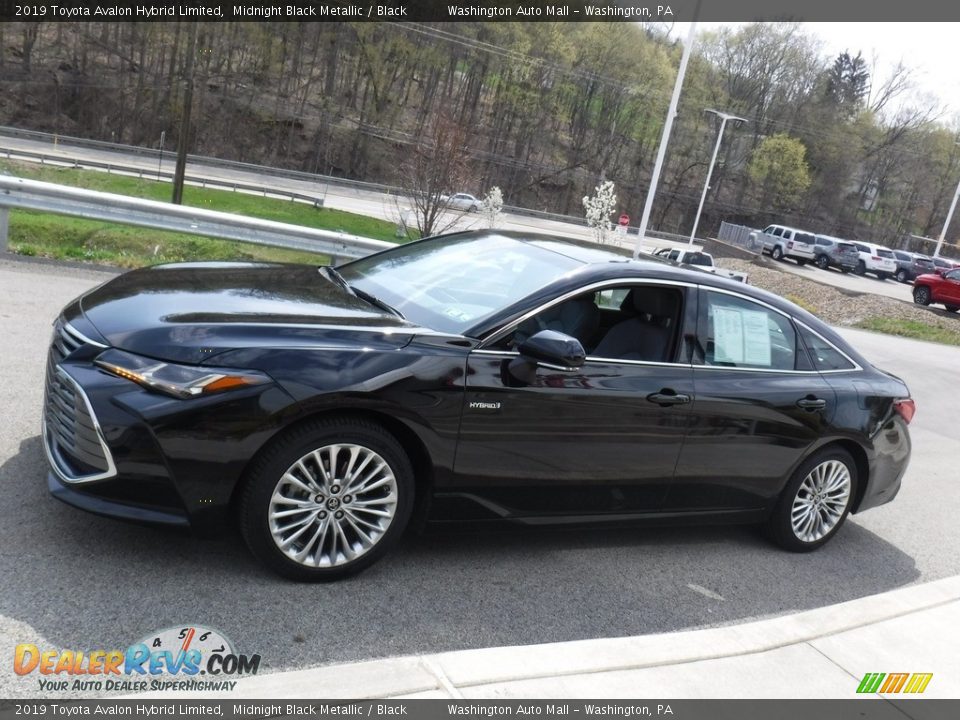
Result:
pixel 847 247
pixel 884 253
pixel 823 242
pixel 862 248
pixel 778 231
pixel 804 238
pixel 699 259
pixel 901 255
pixel 743 334
pixel 824 355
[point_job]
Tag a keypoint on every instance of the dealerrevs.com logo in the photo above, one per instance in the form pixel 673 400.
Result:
pixel 178 658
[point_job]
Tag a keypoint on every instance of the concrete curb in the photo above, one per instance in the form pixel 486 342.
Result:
pixel 443 674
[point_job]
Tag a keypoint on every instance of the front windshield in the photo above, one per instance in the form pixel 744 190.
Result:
pixel 450 283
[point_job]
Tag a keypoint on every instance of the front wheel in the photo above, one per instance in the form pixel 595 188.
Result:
pixel 902 276
pixel 952 308
pixel 921 295
pixel 860 269
pixel 327 499
pixel 815 502
pixel 776 253
pixel 823 262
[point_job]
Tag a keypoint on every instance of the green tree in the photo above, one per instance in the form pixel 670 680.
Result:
pixel 779 172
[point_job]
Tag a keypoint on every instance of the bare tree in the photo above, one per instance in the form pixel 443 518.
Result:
pixel 438 166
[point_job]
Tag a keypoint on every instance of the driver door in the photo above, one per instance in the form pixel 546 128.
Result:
pixel 601 440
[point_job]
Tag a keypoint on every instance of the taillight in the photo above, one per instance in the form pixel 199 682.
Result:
pixel 906 409
pixel 875 257
pixel 790 245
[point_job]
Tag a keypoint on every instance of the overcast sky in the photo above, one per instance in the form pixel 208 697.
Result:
pixel 932 50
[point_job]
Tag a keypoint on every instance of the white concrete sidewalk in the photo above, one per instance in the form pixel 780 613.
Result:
pixel 816 654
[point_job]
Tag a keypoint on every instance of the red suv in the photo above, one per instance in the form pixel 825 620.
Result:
pixel 943 289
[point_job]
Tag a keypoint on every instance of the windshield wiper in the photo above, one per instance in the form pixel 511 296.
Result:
pixel 373 300
pixel 331 272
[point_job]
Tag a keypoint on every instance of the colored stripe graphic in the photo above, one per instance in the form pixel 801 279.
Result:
pixel 871 682
pixel 918 682
pixel 894 683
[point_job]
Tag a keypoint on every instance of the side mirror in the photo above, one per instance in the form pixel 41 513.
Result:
pixel 553 350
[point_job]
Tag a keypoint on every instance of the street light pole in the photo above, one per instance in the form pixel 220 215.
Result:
pixel 716 148
pixel 668 126
pixel 943 233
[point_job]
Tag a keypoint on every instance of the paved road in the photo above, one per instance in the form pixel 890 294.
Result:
pixel 364 202
pixel 860 283
pixel 73 580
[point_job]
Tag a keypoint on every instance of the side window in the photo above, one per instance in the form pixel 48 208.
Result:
pixel 825 356
pixel 822 241
pixel 953 275
pixel 674 254
pixel 631 322
pixel 777 231
pixel 787 234
pixel 740 333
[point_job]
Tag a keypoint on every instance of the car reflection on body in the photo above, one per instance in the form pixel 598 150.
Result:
pixel 474 376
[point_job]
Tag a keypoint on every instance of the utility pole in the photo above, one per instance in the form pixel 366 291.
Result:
pixel 183 138
pixel 946 225
pixel 716 148
pixel 163 137
pixel 668 126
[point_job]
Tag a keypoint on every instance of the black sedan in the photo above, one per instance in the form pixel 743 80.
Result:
pixel 476 376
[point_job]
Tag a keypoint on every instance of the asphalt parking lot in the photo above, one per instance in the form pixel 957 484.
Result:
pixel 73 580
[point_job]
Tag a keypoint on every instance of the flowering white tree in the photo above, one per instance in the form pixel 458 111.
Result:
pixel 598 209
pixel 492 205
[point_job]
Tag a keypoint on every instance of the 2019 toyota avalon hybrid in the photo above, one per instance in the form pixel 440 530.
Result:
pixel 480 375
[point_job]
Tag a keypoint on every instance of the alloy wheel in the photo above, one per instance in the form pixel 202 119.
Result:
pixel 821 501
pixel 333 505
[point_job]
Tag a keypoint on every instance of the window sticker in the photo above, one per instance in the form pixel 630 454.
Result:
pixel 740 337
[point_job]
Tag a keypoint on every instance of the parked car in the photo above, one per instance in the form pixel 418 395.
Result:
pixel 911 264
pixel 700 259
pixel 834 252
pixel 462 201
pixel 936 288
pixel 785 242
pixel 876 260
pixel 942 265
pixel 480 375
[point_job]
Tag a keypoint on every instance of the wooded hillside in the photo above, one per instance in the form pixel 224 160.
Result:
pixel 549 109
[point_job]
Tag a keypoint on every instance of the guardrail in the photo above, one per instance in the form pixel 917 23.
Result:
pixel 155 154
pixel 95 205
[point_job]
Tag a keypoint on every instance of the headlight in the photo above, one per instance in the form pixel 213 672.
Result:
pixel 181 381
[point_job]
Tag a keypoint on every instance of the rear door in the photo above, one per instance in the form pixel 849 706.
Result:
pixel 759 406
pixel 949 289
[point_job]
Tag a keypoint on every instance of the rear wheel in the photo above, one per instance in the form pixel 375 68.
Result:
pixel 823 262
pixel 327 500
pixel 861 268
pixel 815 502
pixel 902 276
pixel 952 308
pixel 776 253
pixel 921 295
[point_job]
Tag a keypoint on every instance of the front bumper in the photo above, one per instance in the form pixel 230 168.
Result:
pixel 117 449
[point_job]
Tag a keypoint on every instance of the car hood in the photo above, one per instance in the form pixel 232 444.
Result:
pixel 191 312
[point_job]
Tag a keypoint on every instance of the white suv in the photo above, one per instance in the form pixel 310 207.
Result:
pixel 875 259
pixel 786 242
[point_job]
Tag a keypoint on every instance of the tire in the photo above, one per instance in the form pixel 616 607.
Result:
pixel 776 253
pixel 317 541
pixel 860 269
pixel 921 295
pixel 902 276
pixel 823 262
pixel 952 308
pixel 809 513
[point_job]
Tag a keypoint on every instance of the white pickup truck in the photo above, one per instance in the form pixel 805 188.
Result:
pixel 700 259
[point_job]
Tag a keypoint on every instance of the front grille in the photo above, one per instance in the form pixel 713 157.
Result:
pixel 71 433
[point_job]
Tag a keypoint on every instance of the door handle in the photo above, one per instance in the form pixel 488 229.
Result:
pixel 811 403
pixel 667 397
